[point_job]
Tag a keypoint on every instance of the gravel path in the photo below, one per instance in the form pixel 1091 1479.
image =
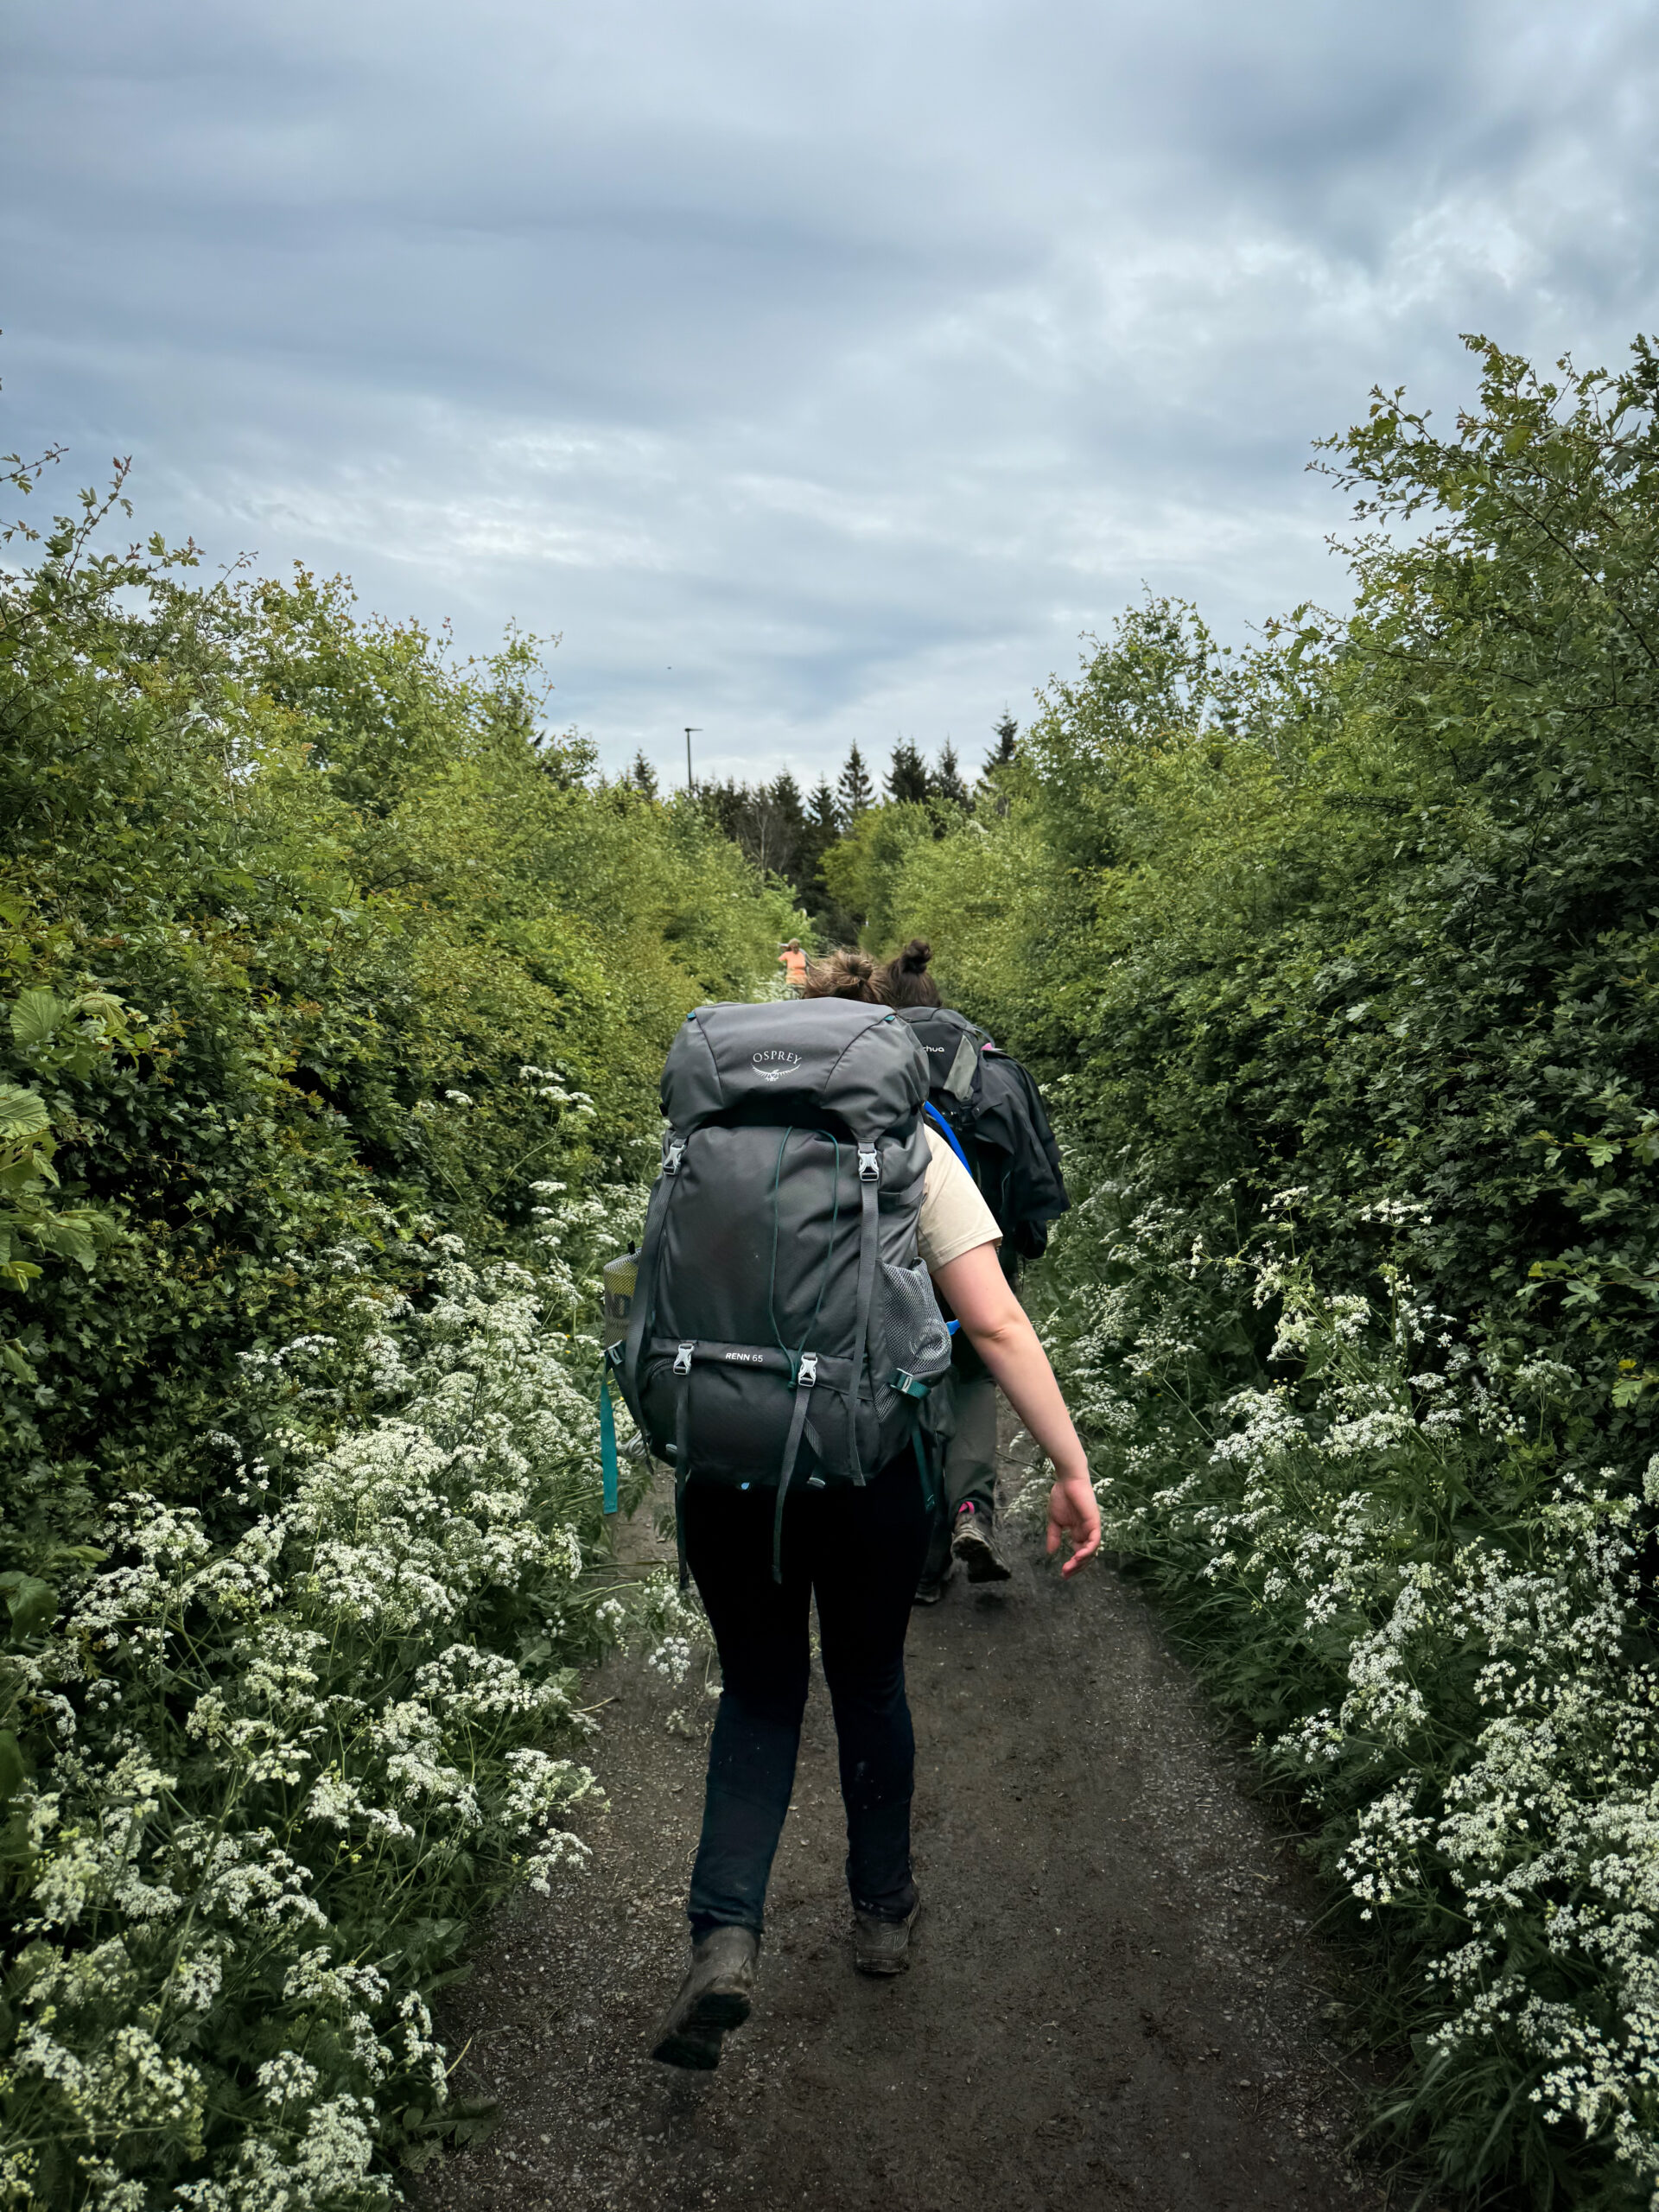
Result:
pixel 1113 2002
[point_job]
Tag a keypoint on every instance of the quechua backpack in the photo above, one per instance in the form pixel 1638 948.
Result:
pixel 994 1112
pixel 782 1327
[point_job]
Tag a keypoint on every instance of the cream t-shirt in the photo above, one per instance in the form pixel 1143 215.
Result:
pixel 953 1216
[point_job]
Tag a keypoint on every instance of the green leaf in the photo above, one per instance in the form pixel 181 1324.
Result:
pixel 32 1603
pixel 13 1767
pixel 16 1363
pixel 35 1016
pixel 23 1113
pixel 70 1236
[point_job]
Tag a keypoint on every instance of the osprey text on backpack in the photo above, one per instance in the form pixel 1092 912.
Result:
pixel 781 1323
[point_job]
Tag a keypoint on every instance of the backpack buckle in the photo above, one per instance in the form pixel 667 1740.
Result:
pixel 683 1358
pixel 808 1372
pixel 673 1156
pixel 906 1384
pixel 617 1353
pixel 869 1167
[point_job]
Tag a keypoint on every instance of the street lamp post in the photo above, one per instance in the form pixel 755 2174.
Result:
pixel 691 730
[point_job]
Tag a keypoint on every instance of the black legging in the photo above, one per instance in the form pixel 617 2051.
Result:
pixel 861 1551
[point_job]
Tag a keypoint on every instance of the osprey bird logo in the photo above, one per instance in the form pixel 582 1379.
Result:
pixel 774 1062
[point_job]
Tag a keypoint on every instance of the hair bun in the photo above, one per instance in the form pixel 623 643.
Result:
pixel 915 956
pixel 847 973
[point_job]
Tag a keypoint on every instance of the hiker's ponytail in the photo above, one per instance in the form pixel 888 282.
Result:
pixel 904 980
pixel 848 973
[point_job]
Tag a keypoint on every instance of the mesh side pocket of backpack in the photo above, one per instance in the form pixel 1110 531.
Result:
pixel 911 1332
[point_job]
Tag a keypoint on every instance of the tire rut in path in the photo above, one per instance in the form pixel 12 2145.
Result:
pixel 1113 2001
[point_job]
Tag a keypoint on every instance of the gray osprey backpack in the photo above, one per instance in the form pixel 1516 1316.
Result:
pixel 781 1325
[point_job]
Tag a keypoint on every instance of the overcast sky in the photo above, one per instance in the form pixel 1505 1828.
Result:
pixel 819 373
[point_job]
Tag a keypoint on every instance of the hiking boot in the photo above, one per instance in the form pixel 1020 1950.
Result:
pixel 972 1543
pixel 882 1947
pixel 713 1998
pixel 933 1584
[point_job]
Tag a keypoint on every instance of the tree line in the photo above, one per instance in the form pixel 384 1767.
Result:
pixel 788 833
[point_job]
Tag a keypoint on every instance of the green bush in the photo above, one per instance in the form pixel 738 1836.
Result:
pixel 1338 956
pixel 335 997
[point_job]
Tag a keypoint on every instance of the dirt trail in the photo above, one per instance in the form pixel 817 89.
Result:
pixel 1113 2001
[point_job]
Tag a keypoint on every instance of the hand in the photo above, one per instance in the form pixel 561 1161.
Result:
pixel 1073 1512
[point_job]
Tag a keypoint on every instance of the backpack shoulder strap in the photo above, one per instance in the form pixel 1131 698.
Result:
pixel 869 1187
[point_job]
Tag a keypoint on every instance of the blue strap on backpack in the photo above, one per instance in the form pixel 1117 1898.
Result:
pixel 950 1138
pixel 607 1444
pixel 933 1114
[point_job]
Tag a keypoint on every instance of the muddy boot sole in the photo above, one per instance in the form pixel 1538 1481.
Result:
pixel 981 1560
pixel 693 2042
pixel 715 1998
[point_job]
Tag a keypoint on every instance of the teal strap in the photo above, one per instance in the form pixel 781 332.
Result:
pixel 922 1468
pixel 607 1444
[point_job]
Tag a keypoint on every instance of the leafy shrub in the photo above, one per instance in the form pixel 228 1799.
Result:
pixel 1365 914
pixel 335 995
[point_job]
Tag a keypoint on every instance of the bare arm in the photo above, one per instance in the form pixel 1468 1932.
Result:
pixel 997 1325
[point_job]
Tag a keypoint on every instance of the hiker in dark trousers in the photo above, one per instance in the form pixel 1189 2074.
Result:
pixel 782 1339
pixel 994 1115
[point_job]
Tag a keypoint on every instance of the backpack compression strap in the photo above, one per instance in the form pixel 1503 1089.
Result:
pixel 682 1372
pixel 804 1380
pixel 869 1184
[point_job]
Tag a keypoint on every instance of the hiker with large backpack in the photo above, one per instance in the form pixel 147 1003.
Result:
pixel 992 1112
pixel 782 1338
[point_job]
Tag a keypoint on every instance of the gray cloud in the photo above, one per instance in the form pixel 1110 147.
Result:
pixel 819 377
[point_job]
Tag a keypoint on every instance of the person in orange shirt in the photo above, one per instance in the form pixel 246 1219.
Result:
pixel 792 961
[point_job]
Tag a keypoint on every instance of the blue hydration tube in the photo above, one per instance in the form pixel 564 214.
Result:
pixel 934 1115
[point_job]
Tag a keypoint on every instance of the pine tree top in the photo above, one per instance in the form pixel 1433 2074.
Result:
pixel 855 793
pixel 908 781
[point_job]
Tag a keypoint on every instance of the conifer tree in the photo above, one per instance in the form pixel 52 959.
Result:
pixel 786 798
pixel 907 778
pixel 642 776
pixel 820 829
pixel 948 785
pixel 1007 733
pixel 854 793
